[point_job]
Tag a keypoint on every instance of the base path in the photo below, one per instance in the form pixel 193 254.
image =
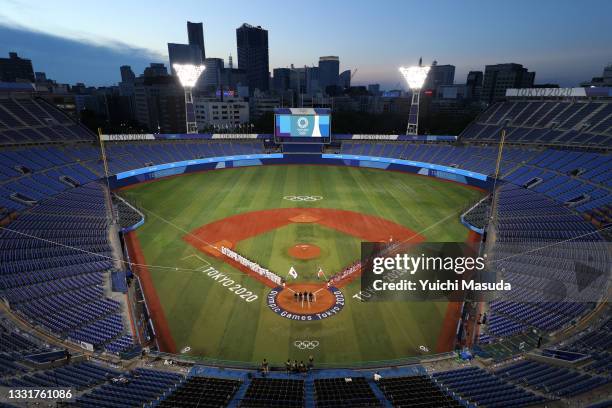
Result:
pixel 246 225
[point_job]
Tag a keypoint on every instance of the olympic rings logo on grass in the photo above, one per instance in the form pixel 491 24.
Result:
pixel 307 198
pixel 306 344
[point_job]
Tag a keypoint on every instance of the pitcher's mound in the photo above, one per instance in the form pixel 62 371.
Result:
pixel 304 251
pixel 304 218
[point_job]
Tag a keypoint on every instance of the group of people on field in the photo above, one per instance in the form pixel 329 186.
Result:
pixel 290 367
pixel 300 297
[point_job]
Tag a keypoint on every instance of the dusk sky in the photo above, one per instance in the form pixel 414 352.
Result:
pixel 564 41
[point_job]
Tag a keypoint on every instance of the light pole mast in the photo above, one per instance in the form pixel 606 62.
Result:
pixel 188 74
pixel 415 78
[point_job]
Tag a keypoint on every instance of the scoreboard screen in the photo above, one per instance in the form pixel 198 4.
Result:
pixel 300 125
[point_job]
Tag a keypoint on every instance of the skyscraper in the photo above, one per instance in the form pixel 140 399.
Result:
pixel 312 80
pixel 281 79
pixel 329 72
pixel 473 85
pixel 160 104
pixel 127 75
pixel 252 43
pixel 195 33
pixel 439 75
pixel 13 69
pixel 155 69
pixel 210 79
pixel 498 78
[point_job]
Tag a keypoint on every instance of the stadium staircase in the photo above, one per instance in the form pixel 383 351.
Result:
pixel 379 394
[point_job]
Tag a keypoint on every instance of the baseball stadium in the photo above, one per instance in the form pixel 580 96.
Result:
pixel 227 269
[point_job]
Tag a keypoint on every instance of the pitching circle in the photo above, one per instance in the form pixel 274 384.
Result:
pixel 306 198
pixel 306 344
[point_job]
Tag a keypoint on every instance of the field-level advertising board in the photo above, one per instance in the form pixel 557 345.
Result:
pixel 302 125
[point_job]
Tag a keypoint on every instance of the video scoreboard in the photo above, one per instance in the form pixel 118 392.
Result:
pixel 302 125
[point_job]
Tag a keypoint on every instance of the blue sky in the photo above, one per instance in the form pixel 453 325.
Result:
pixel 564 41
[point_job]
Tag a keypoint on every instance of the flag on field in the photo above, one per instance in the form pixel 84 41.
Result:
pixel 293 273
pixel 320 274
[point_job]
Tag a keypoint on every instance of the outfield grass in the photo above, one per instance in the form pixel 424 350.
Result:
pixel 215 323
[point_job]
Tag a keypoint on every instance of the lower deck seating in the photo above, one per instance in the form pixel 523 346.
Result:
pixel 480 387
pixel 558 381
pixel 80 376
pixel 344 392
pixel 53 261
pixel 133 389
pixel 416 391
pixel 202 392
pixel 264 392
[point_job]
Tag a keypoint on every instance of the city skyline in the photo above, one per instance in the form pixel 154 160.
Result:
pixel 566 49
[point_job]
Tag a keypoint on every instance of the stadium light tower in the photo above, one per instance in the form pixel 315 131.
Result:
pixel 415 78
pixel 188 74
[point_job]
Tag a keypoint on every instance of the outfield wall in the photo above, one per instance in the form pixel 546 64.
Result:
pixel 383 163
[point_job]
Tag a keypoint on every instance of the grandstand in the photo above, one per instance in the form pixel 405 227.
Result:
pixel 551 123
pixel 66 294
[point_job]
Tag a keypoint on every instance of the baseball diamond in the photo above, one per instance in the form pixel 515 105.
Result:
pixel 223 309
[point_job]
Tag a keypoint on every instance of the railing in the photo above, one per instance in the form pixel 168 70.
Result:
pixel 217 362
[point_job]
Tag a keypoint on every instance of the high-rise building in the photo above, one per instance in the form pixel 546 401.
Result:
pixel 297 80
pixel 345 79
pixel 374 89
pixel 439 75
pixel 281 79
pixel 260 104
pixel 252 43
pixel 127 75
pixel 473 85
pixel 160 104
pixel 16 69
pixel 184 54
pixel 195 34
pixel 313 85
pixel 155 69
pixel 498 78
pixel 125 98
pixel 329 72
pixel 233 78
pixel 210 80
